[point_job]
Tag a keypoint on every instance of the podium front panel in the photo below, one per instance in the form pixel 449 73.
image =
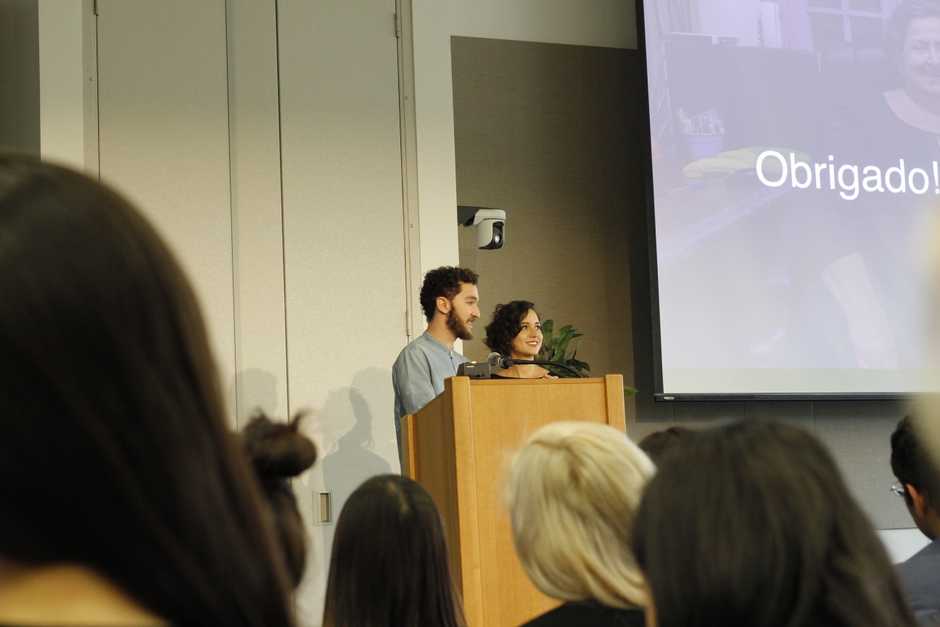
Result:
pixel 463 442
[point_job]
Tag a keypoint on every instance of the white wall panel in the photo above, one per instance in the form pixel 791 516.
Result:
pixel 260 333
pixel 344 243
pixel 433 22
pixel 62 81
pixel 163 129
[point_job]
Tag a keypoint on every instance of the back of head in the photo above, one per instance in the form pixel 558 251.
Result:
pixel 444 281
pixel 573 490
pixel 389 564
pixel 753 525
pixel 666 442
pixel 278 451
pixel 114 445
pixel 912 463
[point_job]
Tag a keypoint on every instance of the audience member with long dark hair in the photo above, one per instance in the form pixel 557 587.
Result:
pixel 389 565
pixel 278 452
pixel 753 525
pixel 572 493
pixel 125 498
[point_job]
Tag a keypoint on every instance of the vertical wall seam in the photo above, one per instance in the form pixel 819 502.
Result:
pixel 280 167
pixel 409 164
pixel 233 214
pixel 96 12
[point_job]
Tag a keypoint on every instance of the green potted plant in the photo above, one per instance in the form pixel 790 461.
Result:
pixel 558 347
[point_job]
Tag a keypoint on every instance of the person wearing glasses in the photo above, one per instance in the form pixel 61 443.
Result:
pixel 918 484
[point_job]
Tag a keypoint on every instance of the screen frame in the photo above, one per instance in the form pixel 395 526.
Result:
pixel 659 393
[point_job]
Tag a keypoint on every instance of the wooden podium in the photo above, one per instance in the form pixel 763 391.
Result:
pixel 458 447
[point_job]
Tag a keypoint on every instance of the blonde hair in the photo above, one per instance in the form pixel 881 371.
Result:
pixel 572 493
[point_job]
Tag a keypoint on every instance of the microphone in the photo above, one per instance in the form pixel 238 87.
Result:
pixel 497 361
pixel 481 369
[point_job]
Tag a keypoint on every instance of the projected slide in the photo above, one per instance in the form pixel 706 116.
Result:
pixel 795 150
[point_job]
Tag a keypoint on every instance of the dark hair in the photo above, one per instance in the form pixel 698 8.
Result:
pixel 905 13
pixel 666 442
pixel 753 525
pixel 389 565
pixel 911 462
pixel 506 324
pixel 278 451
pixel 444 281
pixel 114 446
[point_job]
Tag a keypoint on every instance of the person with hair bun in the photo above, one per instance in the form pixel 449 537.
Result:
pixel 278 452
pixel 516 331
pixel 572 493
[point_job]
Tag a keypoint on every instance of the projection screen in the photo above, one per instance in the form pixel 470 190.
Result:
pixel 794 154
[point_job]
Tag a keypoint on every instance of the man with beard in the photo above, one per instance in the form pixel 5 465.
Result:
pixel 451 304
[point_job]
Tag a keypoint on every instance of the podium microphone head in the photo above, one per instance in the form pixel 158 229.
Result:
pixel 497 361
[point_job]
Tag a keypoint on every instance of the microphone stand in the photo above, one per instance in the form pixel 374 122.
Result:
pixel 509 362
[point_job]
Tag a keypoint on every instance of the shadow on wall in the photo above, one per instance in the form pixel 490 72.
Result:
pixel 367 445
pixel 354 431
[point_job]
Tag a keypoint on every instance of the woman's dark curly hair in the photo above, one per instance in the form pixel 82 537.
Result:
pixel 506 324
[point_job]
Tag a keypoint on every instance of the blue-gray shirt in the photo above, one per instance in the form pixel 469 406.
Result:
pixel 418 375
pixel 920 579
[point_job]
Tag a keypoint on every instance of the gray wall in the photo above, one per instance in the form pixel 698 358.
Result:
pixel 540 131
pixel 552 133
pixel 19 75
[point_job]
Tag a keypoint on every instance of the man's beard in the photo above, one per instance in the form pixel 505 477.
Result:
pixel 457 327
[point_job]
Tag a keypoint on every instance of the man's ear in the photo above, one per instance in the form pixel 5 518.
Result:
pixel 918 500
pixel 443 305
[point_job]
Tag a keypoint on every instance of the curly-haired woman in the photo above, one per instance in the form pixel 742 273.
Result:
pixel 516 331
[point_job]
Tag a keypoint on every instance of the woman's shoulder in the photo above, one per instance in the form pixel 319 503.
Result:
pixel 588 615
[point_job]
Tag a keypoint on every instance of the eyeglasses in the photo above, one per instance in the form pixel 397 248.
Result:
pixel 898 488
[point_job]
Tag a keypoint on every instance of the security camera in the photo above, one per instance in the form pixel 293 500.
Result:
pixel 490 225
pixel 491 228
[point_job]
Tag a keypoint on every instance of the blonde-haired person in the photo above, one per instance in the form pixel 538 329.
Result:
pixel 572 493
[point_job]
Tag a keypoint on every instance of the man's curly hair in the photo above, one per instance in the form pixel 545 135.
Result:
pixel 444 281
pixel 506 324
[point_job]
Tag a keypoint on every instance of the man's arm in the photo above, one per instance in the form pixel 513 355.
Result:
pixel 412 378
